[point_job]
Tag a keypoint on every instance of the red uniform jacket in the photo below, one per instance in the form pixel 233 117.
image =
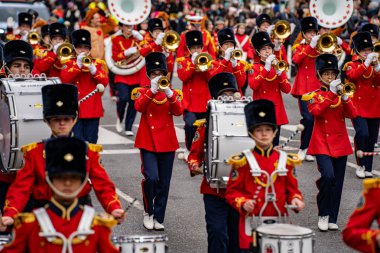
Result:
pixel 358 233
pixel 194 86
pixel 50 65
pixel 86 83
pixel 119 45
pixel 222 65
pixel 27 229
pixel 306 79
pixel 247 47
pixel 7 177
pixel 242 187
pixel 329 135
pixel 268 85
pixel 156 131
pixel 31 180
pixel 367 94
pixel 208 45
pixel 196 156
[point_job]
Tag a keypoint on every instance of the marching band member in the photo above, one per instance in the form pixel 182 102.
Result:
pixel 373 30
pixel 86 79
pixel 43 46
pixel 50 64
pixel 63 223
pixel 246 193
pixel 221 219
pixel 340 43
pixel 364 72
pixel 194 87
pixel 225 61
pixel 24 25
pixel 18 58
pixel 60 111
pixel 359 232
pixel 156 139
pixel 208 42
pixel 266 81
pixel 329 141
pixel 306 79
pixel 124 48
pixel 243 42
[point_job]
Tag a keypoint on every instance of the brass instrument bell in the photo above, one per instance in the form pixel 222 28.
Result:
pixel 376 49
pixel 280 65
pixel 65 52
pixel 347 89
pixel 237 54
pixel 33 38
pixel 171 40
pixel 282 30
pixel 163 82
pixel 203 62
pixel 87 61
pixel 327 43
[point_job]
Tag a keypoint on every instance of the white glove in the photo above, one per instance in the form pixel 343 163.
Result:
pixel 10 22
pixel 193 56
pixel 168 92
pixel 159 39
pixel 137 35
pixel 227 53
pixel 279 72
pixel 314 41
pixel 130 51
pixel 55 48
pixel 80 58
pixel 277 45
pixel 270 30
pixel 339 41
pixel 268 62
pixel 292 27
pixel 377 68
pixel 233 62
pixel 24 37
pixel 154 84
pixel 345 97
pixel 92 69
pixel 370 58
pixel 334 86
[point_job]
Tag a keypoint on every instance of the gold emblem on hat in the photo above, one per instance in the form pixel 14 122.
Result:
pixel 68 157
pixel 26 19
pixel 157 24
pixel 56 30
pixel 157 63
pixel 371 31
pixel 225 84
pixel 262 114
pixel 83 38
pixel 229 36
pixel 22 52
pixel 365 41
pixel 59 103
pixel 195 39
pixel 329 62
pixel 264 39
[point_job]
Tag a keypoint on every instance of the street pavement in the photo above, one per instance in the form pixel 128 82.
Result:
pixel 184 222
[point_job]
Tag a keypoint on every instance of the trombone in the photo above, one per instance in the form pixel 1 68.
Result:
pixel 65 52
pixel 282 30
pixel 33 38
pixel 171 40
pixel 203 62
pixel 163 83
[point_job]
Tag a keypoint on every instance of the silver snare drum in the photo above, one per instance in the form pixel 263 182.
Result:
pixel 144 243
pixel 285 238
pixel 21 120
pixel 4 239
pixel 226 135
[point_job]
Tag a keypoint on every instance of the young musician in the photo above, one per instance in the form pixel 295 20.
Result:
pixel 63 224
pixel 18 58
pixel 86 77
pixel 267 81
pixel 246 193
pixel 25 21
pixel 373 30
pixel 60 111
pixel 306 79
pixel 329 141
pixel 156 139
pixel 364 72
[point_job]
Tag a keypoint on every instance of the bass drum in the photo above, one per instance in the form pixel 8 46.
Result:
pixel 21 120
pixel 143 243
pixel 226 135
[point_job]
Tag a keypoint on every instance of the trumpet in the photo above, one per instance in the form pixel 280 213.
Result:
pixel 33 38
pixel 347 89
pixel 280 65
pixel 327 43
pixel 237 54
pixel 376 49
pixel 171 40
pixel 203 62
pixel 86 61
pixel 282 30
pixel 163 83
pixel 65 52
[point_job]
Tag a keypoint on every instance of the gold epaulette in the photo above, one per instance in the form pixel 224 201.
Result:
pixel 95 147
pixel 29 147
pixel 293 160
pixel 199 122
pixel 179 94
pixel 237 161
pixel 308 96
pixel 371 183
pixel 105 220
pixel 345 67
pixel 178 60
pixel 24 218
pixel 135 94
pixel 294 47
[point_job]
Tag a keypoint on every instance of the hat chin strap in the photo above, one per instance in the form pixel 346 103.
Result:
pixel 65 195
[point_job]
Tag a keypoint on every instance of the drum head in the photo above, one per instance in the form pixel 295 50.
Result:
pixel 284 230
pixel 5 131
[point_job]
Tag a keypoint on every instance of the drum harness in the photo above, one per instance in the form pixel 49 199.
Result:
pixel 49 232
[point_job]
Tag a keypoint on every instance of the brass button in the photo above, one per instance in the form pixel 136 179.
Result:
pixel 190 89
pixel 326 121
pixel 150 115
pixel 265 91
pixel 359 98
pixel 152 127
pixel 327 135
pixel 307 77
pixel 305 67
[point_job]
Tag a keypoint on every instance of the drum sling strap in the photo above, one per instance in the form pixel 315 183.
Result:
pixel 49 232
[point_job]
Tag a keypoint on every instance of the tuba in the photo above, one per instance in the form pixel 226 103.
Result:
pixel 331 13
pixel 171 40
pixel 282 30
pixel 33 38
pixel 203 62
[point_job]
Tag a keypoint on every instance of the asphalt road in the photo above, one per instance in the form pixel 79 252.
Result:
pixel 184 223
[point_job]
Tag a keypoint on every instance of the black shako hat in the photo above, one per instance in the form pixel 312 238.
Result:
pixel 60 100
pixel 261 39
pixel 155 23
pixel 18 50
pixel 226 35
pixel 45 30
pixel 25 18
pixel 222 82
pixel 309 24
pixel 194 38
pixel 81 37
pixel 326 62
pixel 156 61
pixel 263 18
pixel 362 40
pixel 57 29
pixel 260 112
pixel 372 29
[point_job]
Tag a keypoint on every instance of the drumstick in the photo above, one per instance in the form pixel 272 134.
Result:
pixel 129 205
pixel 300 128
pixel 99 88
pixel 360 153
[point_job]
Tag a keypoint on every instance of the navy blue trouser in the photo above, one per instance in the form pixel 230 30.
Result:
pixel 330 185
pixel 307 121
pixel 190 118
pixel 87 129
pixel 276 140
pixel 367 131
pixel 157 170
pixel 124 96
pixel 222 225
